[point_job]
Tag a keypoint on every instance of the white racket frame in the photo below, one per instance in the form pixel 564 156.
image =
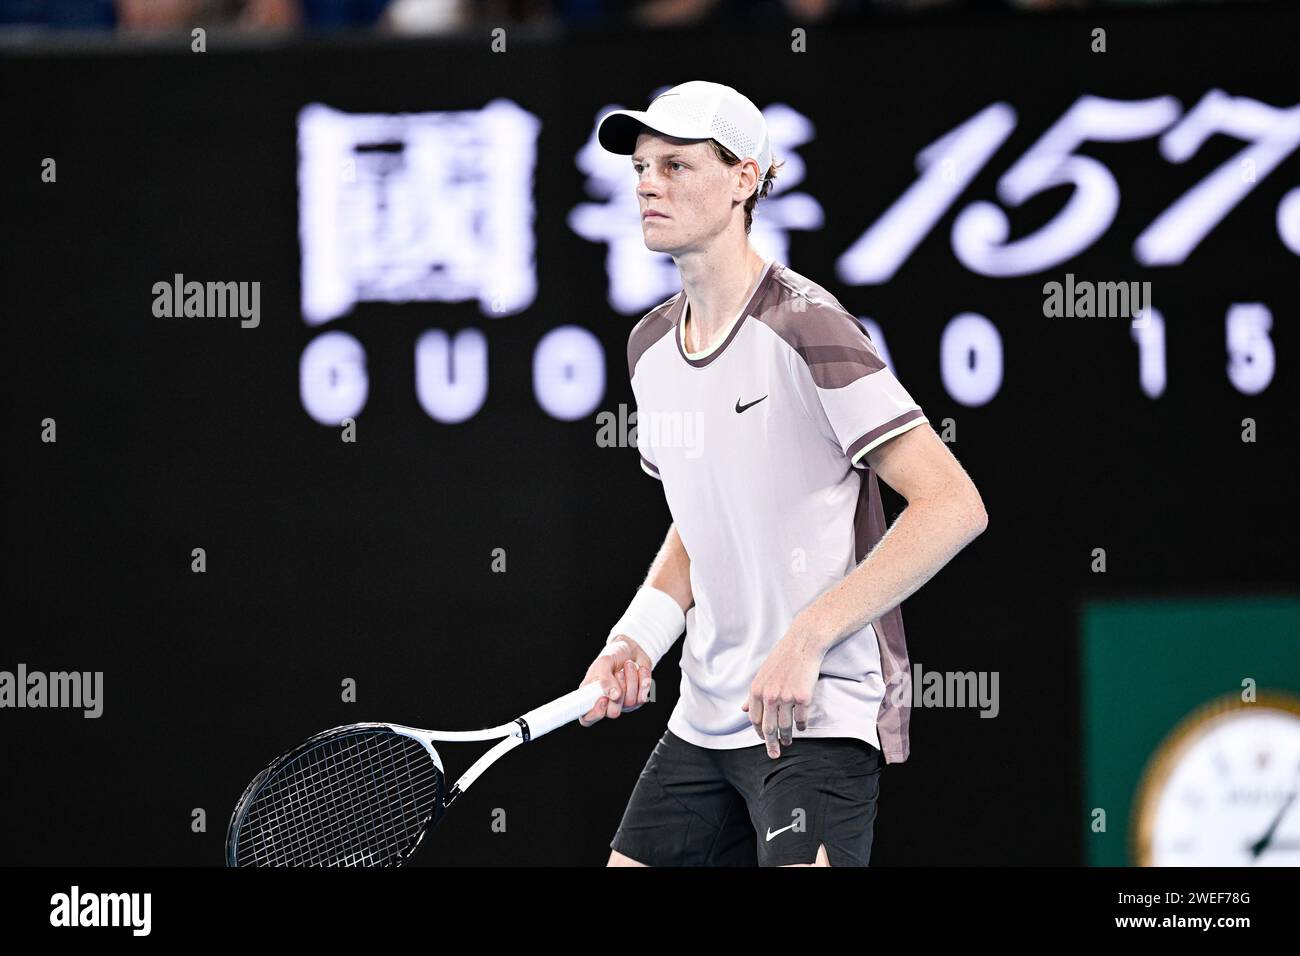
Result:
pixel 531 725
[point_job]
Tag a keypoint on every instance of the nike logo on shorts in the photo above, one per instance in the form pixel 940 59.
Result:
pixel 770 834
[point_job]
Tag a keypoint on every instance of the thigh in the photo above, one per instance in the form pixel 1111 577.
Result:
pixel 821 790
pixel 684 812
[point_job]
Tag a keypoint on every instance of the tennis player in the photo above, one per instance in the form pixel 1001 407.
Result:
pixel 767 413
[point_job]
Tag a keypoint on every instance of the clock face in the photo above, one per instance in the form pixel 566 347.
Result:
pixel 1222 791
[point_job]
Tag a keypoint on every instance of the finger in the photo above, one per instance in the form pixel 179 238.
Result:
pixel 785 723
pixel 632 681
pixel 769 728
pixel 605 675
pixel 773 742
pixel 756 714
pixel 616 698
pixel 800 714
pixel 609 688
pixel 641 675
pixel 596 713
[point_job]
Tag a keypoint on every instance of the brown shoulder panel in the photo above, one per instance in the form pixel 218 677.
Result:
pixel 835 346
pixel 654 326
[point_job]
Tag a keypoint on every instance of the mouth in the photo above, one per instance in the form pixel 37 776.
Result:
pixel 653 215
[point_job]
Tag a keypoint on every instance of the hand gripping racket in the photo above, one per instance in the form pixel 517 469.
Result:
pixel 366 794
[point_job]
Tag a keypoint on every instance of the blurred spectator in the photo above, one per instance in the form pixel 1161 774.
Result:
pixel 176 15
pixel 173 14
pixel 60 14
pixel 437 16
pixel 248 14
pixel 342 13
pixel 425 16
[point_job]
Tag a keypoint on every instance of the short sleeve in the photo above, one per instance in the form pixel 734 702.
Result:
pixel 648 463
pixel 864 403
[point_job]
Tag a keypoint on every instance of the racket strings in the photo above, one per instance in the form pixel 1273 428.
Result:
pixel 298 807
pixel 309 807
pixel 341 817
pixel 339 808
pixel 361 799
pixel 368 827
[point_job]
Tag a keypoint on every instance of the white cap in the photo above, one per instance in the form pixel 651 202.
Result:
pixel 694 110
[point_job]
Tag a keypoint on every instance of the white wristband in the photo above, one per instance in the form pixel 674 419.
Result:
pixel 654 620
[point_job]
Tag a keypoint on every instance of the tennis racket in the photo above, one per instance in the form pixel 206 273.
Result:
pixel 366 794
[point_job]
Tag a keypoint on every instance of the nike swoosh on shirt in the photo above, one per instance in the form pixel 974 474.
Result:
pixel 740 408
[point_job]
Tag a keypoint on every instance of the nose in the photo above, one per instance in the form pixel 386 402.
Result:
pixel 647 187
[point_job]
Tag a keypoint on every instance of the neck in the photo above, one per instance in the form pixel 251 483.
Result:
pixel 718 283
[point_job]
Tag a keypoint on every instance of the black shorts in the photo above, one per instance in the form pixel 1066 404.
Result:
pixel 695 806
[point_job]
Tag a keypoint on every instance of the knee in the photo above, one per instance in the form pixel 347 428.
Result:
pixel 618 859
pixel 823 859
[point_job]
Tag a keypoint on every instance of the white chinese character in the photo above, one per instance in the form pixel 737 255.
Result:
pixel 417 207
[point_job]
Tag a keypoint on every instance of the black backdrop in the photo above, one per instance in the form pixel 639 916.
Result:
pixel 372 561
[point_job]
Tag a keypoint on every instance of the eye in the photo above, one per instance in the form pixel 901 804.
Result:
pixel 639 167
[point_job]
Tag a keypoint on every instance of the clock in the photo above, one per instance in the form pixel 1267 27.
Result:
pixel 1221 789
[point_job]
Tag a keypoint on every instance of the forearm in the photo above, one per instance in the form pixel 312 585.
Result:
pixel 926 536
pixel 671 570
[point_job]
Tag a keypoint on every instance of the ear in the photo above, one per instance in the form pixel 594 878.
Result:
pixel 749 176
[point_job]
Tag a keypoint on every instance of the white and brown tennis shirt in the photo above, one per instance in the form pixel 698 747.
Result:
pixel 760 443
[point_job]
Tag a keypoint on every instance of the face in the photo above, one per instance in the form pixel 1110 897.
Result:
pixel 687 196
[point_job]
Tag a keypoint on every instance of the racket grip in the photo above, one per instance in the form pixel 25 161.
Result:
pixel 562 710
